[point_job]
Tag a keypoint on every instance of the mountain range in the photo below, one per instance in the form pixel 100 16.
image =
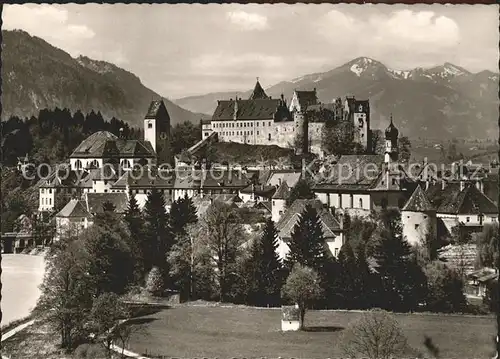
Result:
pixel 440 102
pixel 37 75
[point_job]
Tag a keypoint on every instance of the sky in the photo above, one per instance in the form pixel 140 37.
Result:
pixel 189 49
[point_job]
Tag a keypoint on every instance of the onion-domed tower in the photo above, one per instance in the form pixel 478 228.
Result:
pixel 391 143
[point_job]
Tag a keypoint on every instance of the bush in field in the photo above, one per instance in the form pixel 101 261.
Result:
pixel 376 335
pixel 154 282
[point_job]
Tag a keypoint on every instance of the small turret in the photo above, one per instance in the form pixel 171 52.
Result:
pixel 391 143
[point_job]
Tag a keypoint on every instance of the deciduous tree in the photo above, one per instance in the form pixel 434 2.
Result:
pixel 302 287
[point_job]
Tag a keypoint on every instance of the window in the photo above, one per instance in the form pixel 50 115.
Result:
pixel 257 124
pixel 257 133
pixel 274 203
pixel 78 164
pixel 394 181
pixel 336 252
pixel 50 201
pixel 269 137
pixel 416 226
pixel 467 219
pixel 361 203
pixel 150 125
pixel 50 190
pixel 43 190
pixel 251 133
pixel 425 217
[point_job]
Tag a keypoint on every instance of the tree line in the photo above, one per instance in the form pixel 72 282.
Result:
pixel 52 135
pixel 213 257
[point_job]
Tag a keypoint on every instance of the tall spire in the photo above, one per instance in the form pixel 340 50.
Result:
pixel 258 92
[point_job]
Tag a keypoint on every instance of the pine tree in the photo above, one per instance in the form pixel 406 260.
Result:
pixel 135 224
pixel 158 236
pixel 403 281
pixel 307 243
pixel 263 269
pixel 181 214
pixel 301 190
pixel 348 277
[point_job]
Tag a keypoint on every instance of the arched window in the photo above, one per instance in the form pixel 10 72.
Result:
pixel 78 164
pixel 269 137
pixel 94 164
pixel 361 203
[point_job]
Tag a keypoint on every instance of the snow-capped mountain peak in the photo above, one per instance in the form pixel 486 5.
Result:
pixel 363 64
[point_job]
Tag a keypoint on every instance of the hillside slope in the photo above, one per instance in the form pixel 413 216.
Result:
pixel 441 102
pixel 38 75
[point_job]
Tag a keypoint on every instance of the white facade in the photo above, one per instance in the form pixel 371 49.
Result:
pixel 84 163
pixel 150 132
pixel 452 220
pixel 47 198
pixel 278 208
pixel 416 225
pixel 66 225
pixel 290 325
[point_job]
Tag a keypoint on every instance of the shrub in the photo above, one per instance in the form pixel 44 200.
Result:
pixel 376 335
pixel 154 282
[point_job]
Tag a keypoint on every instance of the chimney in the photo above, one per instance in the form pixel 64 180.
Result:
pixel 462 185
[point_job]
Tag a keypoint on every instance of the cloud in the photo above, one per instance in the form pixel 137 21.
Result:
pixel 50 22
pixel 247 21
pixel 226 62
pixel 399 29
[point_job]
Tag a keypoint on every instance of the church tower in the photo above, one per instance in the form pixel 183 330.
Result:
pixel 391 143
pixel 157 131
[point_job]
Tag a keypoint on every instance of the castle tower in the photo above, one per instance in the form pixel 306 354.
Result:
pixel 361 118
pixel 157 131
pixel 391 143
pixel 418 217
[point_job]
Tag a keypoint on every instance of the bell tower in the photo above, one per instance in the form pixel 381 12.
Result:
pixel 157 131
pixel 391 143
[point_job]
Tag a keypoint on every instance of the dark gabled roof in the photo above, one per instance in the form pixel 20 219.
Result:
pixel 269 109
pixel 134 148
pixel 74 208
pixel 468 201
pixel 93 145
pixel 306 98
pixel 95 201
pixel 258 93
pixel 70 179
pixel 104 144
pixel 264 204
pixel 392 179
pixel 286 224
pixel 418 202
pixel 220 178
pixel 155 108
pixel 283 192
pixel 148 179
pixel 352 172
